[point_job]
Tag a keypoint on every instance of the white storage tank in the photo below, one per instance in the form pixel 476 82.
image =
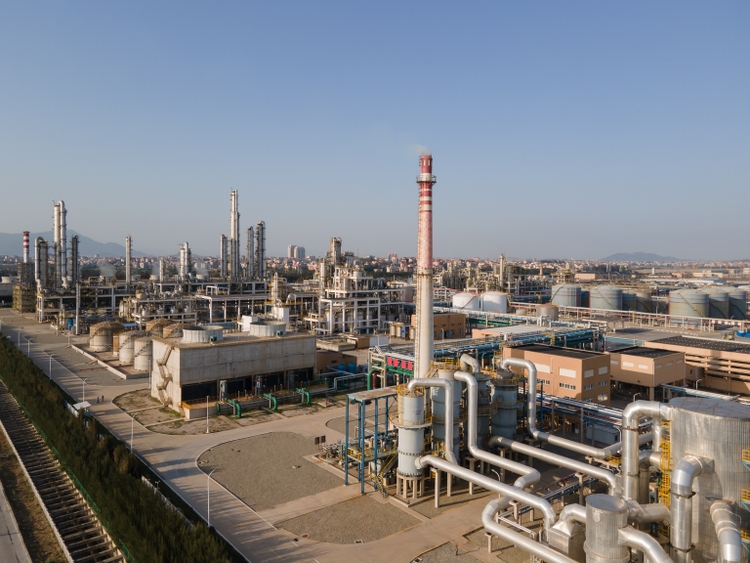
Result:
pixel 142 354
pixel 209 333
pixel 267 328
pixel 688 303
pixel 100 336
pixel 738 304
pixel 411 427
pixel 566 295
pixel 494 301
pixel 466 301
pixel 127 346
pixel 548 310
pixel 608 297
pixel 718 302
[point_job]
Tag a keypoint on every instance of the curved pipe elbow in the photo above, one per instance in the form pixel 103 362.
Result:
pixel 643 543
pixel 685 472
pixel 643 513
pixel 653 409
pixel 468 361
pixel 730 541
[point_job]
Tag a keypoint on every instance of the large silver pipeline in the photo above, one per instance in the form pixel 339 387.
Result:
pixel 730 541
pixel 643 513
pixel 529 475
pixel 644 543
pixel 534 432
pixel 681 500
pixel 572 513
pixel 630 433
pixel 508 492
pixel 447 385
pixel 537 549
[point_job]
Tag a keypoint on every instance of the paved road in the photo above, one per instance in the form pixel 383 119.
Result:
pixel 174 459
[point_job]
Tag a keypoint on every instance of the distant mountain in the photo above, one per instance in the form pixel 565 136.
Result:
pixel 12 244
pixel 639 257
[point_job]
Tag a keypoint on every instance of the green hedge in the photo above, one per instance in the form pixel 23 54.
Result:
pixel 134 514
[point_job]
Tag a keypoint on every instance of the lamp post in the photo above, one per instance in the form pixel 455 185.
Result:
pixel 697 381
pixel 208 496
pixel 636 395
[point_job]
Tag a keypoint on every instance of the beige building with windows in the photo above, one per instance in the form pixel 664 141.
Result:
pixel 647 368
pixel 567 372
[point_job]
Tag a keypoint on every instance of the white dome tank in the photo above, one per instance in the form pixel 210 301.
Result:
pixel 608 297
pixel 466 301
pixel 495 301
pixel 688 303
pixel 566 295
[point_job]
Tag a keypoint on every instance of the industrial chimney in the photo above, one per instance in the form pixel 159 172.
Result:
pixel 423 347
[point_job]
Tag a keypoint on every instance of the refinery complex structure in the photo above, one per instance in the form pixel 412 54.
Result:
pixel 502 374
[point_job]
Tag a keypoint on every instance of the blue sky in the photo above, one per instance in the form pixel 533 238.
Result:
pixel 558 129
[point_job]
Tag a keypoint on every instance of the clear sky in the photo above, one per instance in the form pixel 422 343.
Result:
pixel 558 129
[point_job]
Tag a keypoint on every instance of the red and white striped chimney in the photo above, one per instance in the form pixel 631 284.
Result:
pixel 424 346
pixel 26 247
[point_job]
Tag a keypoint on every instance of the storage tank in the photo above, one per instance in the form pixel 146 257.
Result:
pixel 495 301
pixel 172 331
pixel 437 397
pixel 738 304
pixel 100 336
pixel 155 327
pixel 608 297
pixel 688 303
pixel 465 301
pixel 629 301
pixel 484 410
pixel 207 333
pixel 411 425
pixel 142 351
pixel 566 295
pixel 720 431
pixel 644 303
pixel 505 398
pixel 127 346
pixel 718 302
pixel 585 298
pixel 552 312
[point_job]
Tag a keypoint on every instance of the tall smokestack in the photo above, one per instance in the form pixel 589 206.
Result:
pixel 26 247
pixel 423 347
pixel 128 262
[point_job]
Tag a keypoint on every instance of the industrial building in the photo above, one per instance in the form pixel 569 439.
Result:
pixel 646 369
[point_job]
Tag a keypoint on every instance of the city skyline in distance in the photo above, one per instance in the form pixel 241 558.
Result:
pixel 557 131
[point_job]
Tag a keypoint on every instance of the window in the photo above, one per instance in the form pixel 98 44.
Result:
pixel 642 366
pixel 543 368
pixel 657 366
pixel 669 364
pixel 602 398
pixel 628 364
pixel 568 372
pixel 678 362
pixel 590 400
pixel 603 383
pixel 544 381
pixel 588 373
pixel 588 387
pixel 614 362
pixel 567 386
pixel 603 370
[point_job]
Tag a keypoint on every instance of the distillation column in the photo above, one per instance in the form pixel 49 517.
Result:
pixel 423 346
pixel 250 254
pixel 260 250
pixel 234 237
pixel 128 262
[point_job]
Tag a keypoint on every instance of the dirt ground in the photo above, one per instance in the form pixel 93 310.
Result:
pixel 37 535
pixel 184 427
pixel 136 400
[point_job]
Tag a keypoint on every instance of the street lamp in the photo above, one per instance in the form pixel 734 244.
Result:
pixel 83 393
pixel 636 395
pixel 697 381
pixel 208 496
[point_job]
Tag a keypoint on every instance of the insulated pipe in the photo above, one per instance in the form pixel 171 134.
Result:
pixel 537 549
pixel 681 531
pixel 572 513
pixel 599 453
pixel 644 543
pixel 507 492
pixel 643 513
pixel 730 541
pixel 447 385
pixel 631 416
pixel 529 475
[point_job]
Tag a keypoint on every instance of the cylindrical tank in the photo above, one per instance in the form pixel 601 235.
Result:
pixel 411 425
pixel 495 301
pixel 208 333
pixel 100 336
pixel 115 344
pixel 719 431
pixel 171 331
pixel 605 515
pixel 142 354
pixel 127 346
pixel 738 304
pixel 718 302
pixel 505 397
pixel 437 398
pixel 484 410
pixel 608 297
pixel 629 301
pixel 155 327
pixel 465 301
pixel 566 295
pixel 585 298
pixel 644 303
pixel 548 310
pixel 688 303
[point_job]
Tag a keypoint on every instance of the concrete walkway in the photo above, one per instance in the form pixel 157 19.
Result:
pixel 12 547
pixel 174 458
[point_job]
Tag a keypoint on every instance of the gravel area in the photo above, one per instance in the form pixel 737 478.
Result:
pixel 136 400
pixel 502 549
pixel 446 553
pixel 460 496
pixel 155 415
pixel 183 427
pixel 362 519
pixel 270 469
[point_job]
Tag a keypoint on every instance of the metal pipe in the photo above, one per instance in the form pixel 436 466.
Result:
pixel 572 513
pixel 643 513
pixel 630 430
pixel 447 385
pixel 537 549
pixel 507 492
pixel 423 343
pixel 529 475
pixel 730 541
pixel 534 432
pixel 683 475
pixel 644 543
